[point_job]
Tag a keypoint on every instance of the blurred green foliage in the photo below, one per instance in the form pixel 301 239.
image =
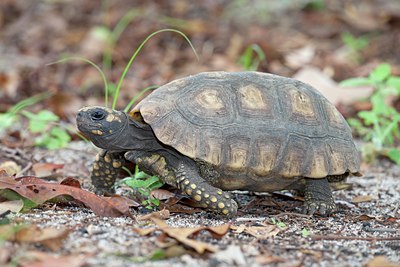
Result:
pixel 379 127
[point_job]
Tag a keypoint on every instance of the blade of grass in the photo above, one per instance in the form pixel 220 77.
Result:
pixel 28 102
pixel 103 76
pixel 133 100
pixel 116 33
pixel 127 67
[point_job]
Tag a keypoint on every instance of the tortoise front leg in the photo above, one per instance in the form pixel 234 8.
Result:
pixel 105 170
pixel 318 197
pixel 185 176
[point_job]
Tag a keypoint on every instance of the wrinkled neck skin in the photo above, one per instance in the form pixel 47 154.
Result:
pixel 133 135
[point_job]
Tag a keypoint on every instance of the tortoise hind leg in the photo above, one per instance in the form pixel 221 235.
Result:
pixel 318 197
pixel 105 170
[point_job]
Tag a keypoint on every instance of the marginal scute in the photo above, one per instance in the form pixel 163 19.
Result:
pixel 266 154
pixel 318 165
pixel 294 156
pixel 212 152
pixel 237 151
pixel 337 160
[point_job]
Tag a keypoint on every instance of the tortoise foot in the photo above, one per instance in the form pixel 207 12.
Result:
pixel 323 208
pixel 318 197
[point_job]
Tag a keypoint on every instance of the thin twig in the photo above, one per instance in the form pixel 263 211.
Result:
pixel 27 167
pixel 338 237
pixel 292 214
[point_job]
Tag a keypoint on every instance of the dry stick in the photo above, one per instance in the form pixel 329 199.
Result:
pixel 338 237
pixel 27 167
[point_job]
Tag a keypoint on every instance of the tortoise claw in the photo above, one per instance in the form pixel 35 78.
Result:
pixel 323 208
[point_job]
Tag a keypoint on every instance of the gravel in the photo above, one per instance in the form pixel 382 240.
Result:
pixel 112 241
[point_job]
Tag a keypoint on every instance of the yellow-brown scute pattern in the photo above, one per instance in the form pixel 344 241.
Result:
pixel 252 125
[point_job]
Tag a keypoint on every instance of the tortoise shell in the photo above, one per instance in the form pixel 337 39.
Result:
pixel 252 124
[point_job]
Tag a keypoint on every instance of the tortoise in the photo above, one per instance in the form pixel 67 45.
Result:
pixel 217 131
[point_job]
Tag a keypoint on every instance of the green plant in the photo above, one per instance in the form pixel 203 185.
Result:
pixel 305 232
pixel 252 57
pixel 278 223
pixel 380 125
pixel 355 45
pixel 44 123
pixel 144 184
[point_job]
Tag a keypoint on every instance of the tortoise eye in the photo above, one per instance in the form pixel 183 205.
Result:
pixel 98 115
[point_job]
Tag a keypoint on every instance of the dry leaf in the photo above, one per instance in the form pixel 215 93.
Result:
pixel 162 194
pixel 162 214
pixel 40 191
pixel 232 255
pixel 381 261
pixel 10 167
pixel 359 199
pixel 259 232
pixel 46 169
pixel 49 237
pixel 144 231
pixel 265 259
pixel 182 234
pixel 329 88
pixel 40 259
pixel 12 205
pixel 364 217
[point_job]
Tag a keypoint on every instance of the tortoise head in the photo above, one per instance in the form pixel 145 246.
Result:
pixel 103 126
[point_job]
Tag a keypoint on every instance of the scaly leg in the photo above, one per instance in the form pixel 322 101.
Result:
pixel 318 197
pixel 184 175
pixel 105 170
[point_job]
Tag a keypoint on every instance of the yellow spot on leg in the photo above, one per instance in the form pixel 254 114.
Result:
pixel 193 186
pixel 225 211
pixel 197 197
pixel 107 158
pixel 213 199
pixel 221 205
pixel 188 191
pixel 116 164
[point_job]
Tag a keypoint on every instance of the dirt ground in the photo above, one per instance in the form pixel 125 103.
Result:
pixel 365 228
pixel 302 39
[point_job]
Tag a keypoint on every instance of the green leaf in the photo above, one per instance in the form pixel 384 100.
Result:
pixel 281 224
pixel 356 82
pixel 101 33
pixel 305 232
pixel 135 183
pixel 6 120
pixel 36 126
pixel 378 104
pixel 394 82
pixel 46 115
pixel 394 154
pixel 380 73
pixel 368 116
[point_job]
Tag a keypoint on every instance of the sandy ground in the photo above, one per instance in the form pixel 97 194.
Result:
pixel 354 236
